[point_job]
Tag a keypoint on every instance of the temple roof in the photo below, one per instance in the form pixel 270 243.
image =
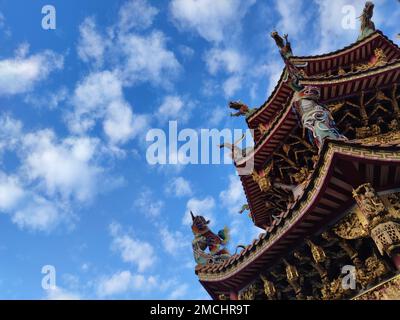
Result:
pixel 327 194
pixel 332 88
pixel 357 52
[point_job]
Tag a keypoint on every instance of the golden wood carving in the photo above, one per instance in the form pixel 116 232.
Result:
pixel 293 278
pixel 350 227
pixel 392 202
pixel 249 293
pixel 388 290
pixel 378 60
pixel 262 178
pixel 369 203
pixel 263 128
pixel 317 252
pixel 269 288
pixel 386 236
pixel 333 290
pixel 391 137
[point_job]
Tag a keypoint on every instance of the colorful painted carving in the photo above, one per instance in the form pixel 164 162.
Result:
pixel 241 108
pixel 205 239
pixel 315 117
pixel 367 26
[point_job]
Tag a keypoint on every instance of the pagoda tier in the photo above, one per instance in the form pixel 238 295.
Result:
pixel 327 197
pixel 331 64
pixel 356 105
pixel 325 184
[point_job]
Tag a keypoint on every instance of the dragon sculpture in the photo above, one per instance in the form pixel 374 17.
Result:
pixel 241 108
pixel 285 48
pixel 367 25
pixel 244 208
pixel 313 115
pixel 237 153
pixel 205 239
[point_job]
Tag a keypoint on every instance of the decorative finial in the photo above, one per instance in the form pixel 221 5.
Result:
pixel 205 239
pixel 367 26
pixel 285 48
pixel 241 108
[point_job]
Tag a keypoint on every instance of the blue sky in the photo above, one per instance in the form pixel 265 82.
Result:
pixel 76 191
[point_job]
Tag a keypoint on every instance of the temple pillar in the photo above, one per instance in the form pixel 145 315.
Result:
pixel 381 226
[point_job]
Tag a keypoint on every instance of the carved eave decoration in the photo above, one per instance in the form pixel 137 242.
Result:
pixel 360 126
pixel 345 61
pixel 315 207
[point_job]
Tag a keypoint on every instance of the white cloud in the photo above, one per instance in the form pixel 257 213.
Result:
pixel 332 34
pixel 202 207
pixel 3 26
pixel 100 97
pixel 174 108
pixel 179 187
pixel 227 60
pixel 92 97
pixel 186 52
pixel 293 16
pixel 61 167
pixel 146 203
pixel 327 24
pixel 38 214
pixel 85 266
pixel 147 59
pixel 91 45
pixel 241 228
pixel 20 74
pixel 232 85
pixel 137 252
pixel 212 20
pixel 10 192
pixel 136 14
pixel 216 115
pixel 116 284
pixel 118 123
pixel 2 20
pixel 233 198
pixel 173 242
pixel 61 294
pixel 273 70
pixel 50 100
pixel 136 58
pixel 10 132
pixel 179 292
pixel 51 175
pixel 124 282
pixel 27 209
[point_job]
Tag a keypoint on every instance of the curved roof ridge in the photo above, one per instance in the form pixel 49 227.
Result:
pixel 274 93
pixel 301 206
pixel 350 46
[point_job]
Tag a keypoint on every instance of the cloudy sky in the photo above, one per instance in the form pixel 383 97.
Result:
pixel 76 191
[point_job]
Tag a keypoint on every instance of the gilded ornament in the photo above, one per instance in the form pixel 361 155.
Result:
pixel 350 227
